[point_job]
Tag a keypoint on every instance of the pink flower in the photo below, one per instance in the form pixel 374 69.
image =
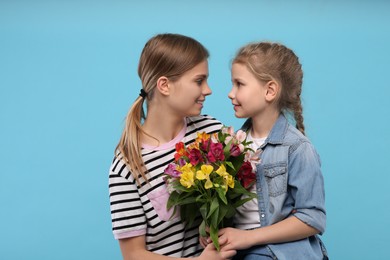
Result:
pixel 171 171
pixel 240 136
pixel 216 152
pixel 228 130
pixel 195 156
pixel 235 150
pixel 253 157
pixel 181 162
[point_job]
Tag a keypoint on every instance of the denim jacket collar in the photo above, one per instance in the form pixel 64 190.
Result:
pixel 277 133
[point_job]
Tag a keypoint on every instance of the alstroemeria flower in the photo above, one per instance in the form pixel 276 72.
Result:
pixel 204 174
pixel 195 156
pixel 202 137
pixel 180 150
pixel 221 171
pixel 187 175
pixel 245 175
pixel 216 152
pixel 240 136
pixel 227 130
pixel 235 150
pixel 172 171
pixel 229 181
pixel 227 178
pixel 253 158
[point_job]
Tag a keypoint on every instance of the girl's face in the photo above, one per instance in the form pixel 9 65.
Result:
pixel 190 90
pixel 247 93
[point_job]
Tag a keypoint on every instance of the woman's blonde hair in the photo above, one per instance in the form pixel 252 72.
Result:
pixel 169 55
pixel 273 61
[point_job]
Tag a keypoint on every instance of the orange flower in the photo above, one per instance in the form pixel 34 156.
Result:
pixel 202 137
pixel 180 151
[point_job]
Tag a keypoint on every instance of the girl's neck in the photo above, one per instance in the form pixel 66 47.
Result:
pixel 262 124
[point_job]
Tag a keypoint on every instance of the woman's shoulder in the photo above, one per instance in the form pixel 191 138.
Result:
pixel 119 167
pixel 205 123
pixel 202 119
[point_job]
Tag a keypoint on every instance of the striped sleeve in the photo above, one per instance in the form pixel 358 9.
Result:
pixel 127 214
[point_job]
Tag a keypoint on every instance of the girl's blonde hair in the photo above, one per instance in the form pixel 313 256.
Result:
pixel 273 61
pixel 169 55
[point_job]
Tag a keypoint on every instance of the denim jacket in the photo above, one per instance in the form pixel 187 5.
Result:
pixel 290 183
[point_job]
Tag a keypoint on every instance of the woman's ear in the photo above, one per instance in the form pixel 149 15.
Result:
pixel 272 91
pixel 163 85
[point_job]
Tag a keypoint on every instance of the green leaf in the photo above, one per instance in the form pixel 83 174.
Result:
pixel 189 213
pixel 223 210
pixel 213 206
pixel 171 200
pixel 214 236
pixel 241 202
pixel 230 165
pixel 203 210
pixel 221 194
pixel 214 218
pixel 202 229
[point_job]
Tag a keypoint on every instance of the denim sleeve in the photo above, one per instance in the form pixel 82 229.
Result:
pixel 307 186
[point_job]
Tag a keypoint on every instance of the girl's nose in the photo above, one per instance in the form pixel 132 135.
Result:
pixel 231 94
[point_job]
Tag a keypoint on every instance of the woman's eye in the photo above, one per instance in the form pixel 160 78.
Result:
pixel 199 82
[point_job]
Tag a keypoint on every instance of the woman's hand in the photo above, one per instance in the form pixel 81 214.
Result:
pixel 203 241
pixel 210 252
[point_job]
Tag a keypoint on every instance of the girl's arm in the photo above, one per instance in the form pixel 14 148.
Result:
pixel 306 187
pixel 289 229
pixel 134 248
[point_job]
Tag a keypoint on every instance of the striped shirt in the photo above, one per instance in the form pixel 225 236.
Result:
pixel 140 209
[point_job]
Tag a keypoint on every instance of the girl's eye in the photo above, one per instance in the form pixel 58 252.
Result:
pixel 238 84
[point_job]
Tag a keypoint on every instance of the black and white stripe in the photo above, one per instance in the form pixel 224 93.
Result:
pixel 132 212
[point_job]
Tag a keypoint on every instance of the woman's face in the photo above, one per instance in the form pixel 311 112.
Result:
pixel 189 92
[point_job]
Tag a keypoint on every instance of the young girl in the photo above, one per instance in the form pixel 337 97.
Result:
pixel 290 210
pixel 173 70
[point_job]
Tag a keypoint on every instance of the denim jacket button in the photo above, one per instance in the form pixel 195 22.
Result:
pixel 262 215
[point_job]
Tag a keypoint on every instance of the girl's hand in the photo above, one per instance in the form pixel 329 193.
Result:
pixel 234 239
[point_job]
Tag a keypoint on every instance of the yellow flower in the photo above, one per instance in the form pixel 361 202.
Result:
pixel 201 137
pixel 187 175
pixel 227 178
pixel 221 170
pixel 204 174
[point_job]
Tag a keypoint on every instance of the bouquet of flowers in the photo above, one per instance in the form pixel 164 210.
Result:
pixel 209 177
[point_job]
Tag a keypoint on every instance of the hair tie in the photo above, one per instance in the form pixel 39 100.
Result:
pixel 143 93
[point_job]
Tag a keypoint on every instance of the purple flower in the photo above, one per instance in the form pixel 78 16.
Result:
pixel 171 171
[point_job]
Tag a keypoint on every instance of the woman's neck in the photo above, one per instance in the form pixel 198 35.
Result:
pixel 164 128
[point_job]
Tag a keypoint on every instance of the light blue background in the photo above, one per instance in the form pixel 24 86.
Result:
pixel 68 77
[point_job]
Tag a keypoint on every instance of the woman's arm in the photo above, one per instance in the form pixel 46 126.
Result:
pixel 134 249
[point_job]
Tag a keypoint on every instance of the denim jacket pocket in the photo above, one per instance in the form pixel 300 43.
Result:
pixel 159 199
pixel 276 177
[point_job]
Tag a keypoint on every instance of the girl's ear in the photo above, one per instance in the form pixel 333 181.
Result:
pixel 163 86
pixel 272 90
